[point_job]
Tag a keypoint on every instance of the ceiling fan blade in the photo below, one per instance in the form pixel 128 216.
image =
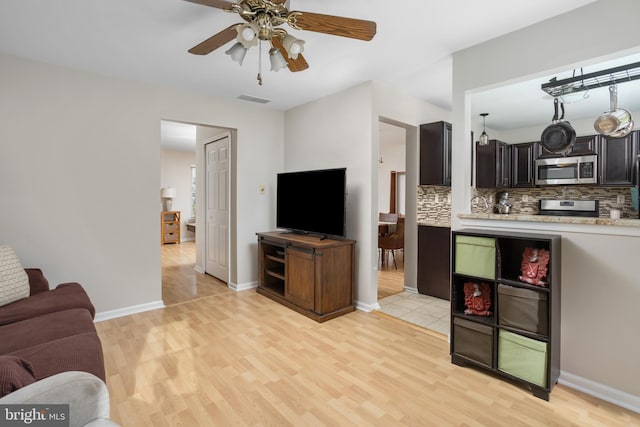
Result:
pixel 298 64
pixel 335 25
pixel 214 42
pixel 220 4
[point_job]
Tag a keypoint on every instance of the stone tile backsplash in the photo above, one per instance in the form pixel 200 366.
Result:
pixel 607 197
pixel 434 202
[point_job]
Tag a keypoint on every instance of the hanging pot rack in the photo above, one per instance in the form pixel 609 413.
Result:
pixel 603 78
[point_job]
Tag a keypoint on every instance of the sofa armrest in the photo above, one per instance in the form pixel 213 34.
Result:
pixel 86 394
pixel 37 282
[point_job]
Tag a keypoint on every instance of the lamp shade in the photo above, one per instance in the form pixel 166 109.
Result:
pixel 293 46
pixel 247 35
pixel 277 60
pixel 168 193
pixel 237 52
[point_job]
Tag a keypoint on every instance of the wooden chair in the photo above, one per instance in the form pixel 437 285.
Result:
pixel 393 242
pixel 383 220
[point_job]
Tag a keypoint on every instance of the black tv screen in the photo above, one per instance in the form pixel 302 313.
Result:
pixel 312 201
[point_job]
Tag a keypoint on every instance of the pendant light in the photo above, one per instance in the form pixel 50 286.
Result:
pixel 484 138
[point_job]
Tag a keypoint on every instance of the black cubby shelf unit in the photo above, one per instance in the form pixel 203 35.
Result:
pixel 519 339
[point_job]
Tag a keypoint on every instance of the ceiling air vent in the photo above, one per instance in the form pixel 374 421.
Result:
pixel 254 99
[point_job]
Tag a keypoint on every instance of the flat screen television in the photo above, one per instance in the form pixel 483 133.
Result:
pixel 312 202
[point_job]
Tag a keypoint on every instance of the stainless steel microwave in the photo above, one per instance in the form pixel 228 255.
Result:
pixel 567 170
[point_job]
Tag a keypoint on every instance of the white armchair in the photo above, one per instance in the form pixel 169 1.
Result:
pixel 86 394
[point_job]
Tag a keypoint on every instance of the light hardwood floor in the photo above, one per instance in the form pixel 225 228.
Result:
pixel 390 279
pixel 242 359
pixel 180 282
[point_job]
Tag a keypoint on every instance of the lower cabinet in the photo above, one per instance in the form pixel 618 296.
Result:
pixel 434 266
pixel 505 305
pixel 311 276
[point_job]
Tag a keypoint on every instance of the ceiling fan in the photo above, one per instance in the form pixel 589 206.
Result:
pixel 263 19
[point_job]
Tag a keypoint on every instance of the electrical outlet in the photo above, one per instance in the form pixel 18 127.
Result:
pixel 525 198
pixel 261 189
pixel 448 198
pixel 621 198
pixel 436 199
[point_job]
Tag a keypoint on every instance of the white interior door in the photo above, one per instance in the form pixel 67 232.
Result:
pixel 217 208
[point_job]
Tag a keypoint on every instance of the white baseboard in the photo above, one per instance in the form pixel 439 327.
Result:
pixel 367 307
pixel 242 286
pixel 601 391
pixel 198 269
pixel 112 314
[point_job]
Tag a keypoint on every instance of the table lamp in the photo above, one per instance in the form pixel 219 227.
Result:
pixel 167 194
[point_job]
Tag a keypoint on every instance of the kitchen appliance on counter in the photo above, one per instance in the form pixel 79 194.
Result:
pixel 585 208
pixel 567 170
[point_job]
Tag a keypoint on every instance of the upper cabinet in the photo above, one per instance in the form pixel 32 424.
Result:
pixel 435 153
pixel 616 160
pixel 493 165
pixel 523 159
pixel 584 146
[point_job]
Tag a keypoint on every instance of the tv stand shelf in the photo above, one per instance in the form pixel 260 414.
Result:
pixel 310 275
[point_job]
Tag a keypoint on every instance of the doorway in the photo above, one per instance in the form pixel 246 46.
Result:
pixel 391 208
pixel 182 280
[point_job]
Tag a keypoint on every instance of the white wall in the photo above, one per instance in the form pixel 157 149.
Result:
pixel 599 280
pixel 80 167
pixel 343 130
pixel 175 171
pixel 332 132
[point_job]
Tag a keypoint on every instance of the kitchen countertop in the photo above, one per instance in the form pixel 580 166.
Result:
pixel 624 222
pixel 430 223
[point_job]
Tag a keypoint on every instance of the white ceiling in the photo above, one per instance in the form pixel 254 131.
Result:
pixel 525 104
pixel 147 40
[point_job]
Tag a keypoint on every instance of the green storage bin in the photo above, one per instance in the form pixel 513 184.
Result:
pixel 523 357
pixel 474 341
pixel 476 256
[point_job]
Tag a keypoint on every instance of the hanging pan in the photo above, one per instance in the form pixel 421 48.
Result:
pixel 559 136
pixel 616 122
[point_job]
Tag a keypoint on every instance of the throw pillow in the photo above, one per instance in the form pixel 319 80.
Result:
pixel 15 373
pixel 14 282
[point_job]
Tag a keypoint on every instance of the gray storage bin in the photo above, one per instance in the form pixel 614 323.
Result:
pixel 473 340
pixel 524 309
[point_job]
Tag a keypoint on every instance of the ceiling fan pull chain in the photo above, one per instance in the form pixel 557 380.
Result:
pixel 260 63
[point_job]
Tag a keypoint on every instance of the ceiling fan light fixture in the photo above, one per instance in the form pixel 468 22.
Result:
pixel 293 46
pixel 484 138
pixel 247 35
pixel 277 60
pixel 237 52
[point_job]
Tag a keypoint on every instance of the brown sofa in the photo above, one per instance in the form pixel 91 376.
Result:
pixel 49 332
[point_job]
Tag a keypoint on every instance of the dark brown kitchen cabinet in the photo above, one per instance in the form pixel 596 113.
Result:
pixel 493 165
pixel 584 146
pixel 523 158
pixel 435 153
pixel 434 266
pixel 616 160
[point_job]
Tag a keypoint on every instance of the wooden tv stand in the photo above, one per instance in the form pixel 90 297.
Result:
pixel 310 275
